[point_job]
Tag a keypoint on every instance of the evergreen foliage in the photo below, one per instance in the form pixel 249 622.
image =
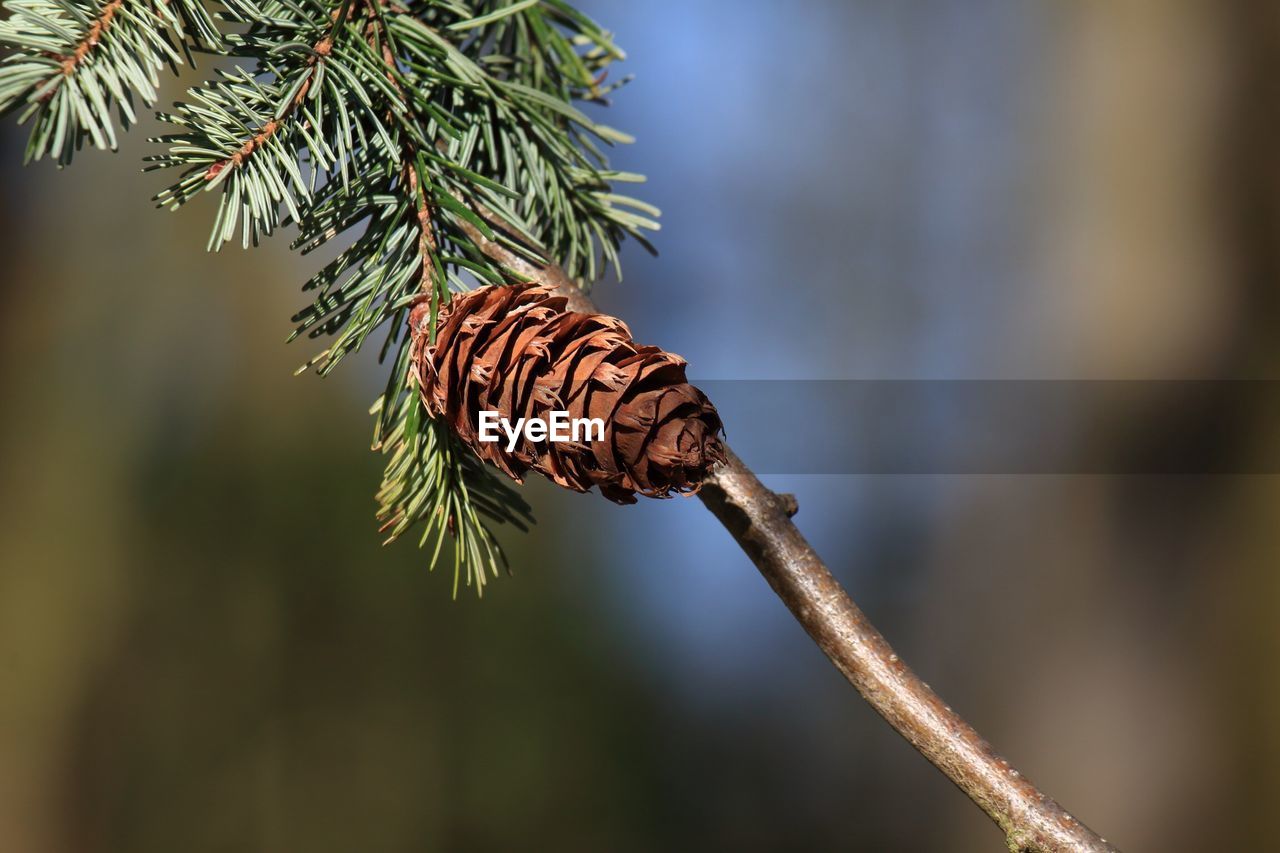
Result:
pixel 74 64
pixel 400 131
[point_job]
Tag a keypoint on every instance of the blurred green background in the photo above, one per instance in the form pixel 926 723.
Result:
pixel 204 648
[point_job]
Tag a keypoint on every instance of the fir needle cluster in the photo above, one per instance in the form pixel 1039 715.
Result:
pixel 399 131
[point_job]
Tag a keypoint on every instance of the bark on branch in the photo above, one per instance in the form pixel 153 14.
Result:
pixel 760 522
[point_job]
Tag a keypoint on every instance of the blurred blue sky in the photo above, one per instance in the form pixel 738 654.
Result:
pixel 847 212
pixel 844 195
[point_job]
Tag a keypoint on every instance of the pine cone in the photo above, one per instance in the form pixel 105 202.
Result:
pixel 517 351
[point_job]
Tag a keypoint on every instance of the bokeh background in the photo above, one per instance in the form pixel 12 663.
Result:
pixel 204 648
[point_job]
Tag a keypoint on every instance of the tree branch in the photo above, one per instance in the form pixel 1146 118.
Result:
pixel 319 53
pixel 68 63
pixel 760 522
pixel 92 36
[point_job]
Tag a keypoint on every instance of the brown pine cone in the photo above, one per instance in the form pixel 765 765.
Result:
pixel 517 351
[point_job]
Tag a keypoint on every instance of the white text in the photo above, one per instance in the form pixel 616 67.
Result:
pixel 558 427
